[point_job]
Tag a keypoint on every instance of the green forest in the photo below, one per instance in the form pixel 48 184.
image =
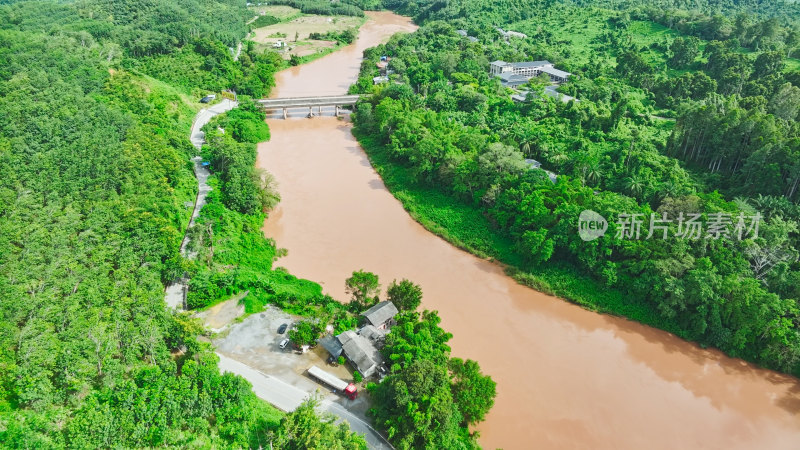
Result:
pixel 97 100
pixel 682 108
pixel 97 103
pixel 677 113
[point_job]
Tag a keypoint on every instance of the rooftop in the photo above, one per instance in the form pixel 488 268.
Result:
pixel 533 163
pixel 529 64
pixel 551 91
pixel 555 72
pixel 374 335
pixel 360 351
pixel 509 77
pixel 380 313
pixel 332 345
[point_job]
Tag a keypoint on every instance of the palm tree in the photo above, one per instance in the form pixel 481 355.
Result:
pixel 669 189
pixel 593 173
pixel 525 148
pixel 634 185
pixel 635 133
pixel 742 204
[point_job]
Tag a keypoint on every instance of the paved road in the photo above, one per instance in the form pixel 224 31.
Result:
pixel 175 294
pixel 286 397
pixel 297 102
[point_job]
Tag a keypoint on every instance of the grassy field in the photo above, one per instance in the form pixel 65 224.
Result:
pixel 295 33
pixel 283 13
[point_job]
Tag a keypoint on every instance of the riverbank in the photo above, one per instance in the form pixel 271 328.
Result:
pixel 566 377
pixel 465 226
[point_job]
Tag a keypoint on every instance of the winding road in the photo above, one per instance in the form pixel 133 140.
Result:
pixel 286 397
pixel 175 294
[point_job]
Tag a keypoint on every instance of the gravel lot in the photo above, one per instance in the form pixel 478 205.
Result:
pixel 254 342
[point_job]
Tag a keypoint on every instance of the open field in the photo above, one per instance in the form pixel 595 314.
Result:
pixel 296 32
pixel 307 24
pixel 281 12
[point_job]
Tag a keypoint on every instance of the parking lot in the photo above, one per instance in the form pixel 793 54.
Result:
pixel 254 342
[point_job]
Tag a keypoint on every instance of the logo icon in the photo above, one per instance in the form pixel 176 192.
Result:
pixel 591 225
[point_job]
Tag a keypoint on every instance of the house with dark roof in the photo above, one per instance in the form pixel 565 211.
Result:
pixel 512 80
pixel 466 35
pixel 361 353
pixel 362 347
pixel 332 345
pixel 381 315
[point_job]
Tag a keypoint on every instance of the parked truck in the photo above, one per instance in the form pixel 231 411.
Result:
pixel 347 389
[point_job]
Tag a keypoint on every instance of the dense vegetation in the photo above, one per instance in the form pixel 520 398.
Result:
pixel 188 45
pixel 429 399
pixel 95 172
pixel 451 144
pixel 264 21
pixel 342 37
pixel 321 7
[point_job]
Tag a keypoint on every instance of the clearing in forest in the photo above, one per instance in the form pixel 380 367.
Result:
pixel 295 33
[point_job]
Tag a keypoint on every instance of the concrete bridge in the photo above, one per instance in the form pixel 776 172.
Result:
pixel 335 101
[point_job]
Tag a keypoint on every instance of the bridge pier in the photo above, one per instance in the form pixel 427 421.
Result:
pixel 336 101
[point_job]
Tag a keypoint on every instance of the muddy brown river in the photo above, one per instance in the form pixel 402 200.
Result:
pixel 566 377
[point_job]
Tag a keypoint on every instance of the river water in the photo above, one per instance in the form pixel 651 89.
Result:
pixel 566 377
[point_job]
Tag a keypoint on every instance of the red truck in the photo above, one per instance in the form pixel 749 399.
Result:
pixel 347 389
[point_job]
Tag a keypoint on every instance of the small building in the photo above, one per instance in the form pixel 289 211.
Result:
pixel 380 80
pixel 375 336
pixel 551 91
pixel 520 97
pixel 381 316
pixel 364 356
pixel 529 69
pixel 464 33
pixel 362 348
pixel 534 164
pixel 556 76
pixel 513 81
pixel 383 66
pixel 332 345
pixel 512 34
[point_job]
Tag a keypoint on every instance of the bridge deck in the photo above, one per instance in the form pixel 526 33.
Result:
pixel 297 102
